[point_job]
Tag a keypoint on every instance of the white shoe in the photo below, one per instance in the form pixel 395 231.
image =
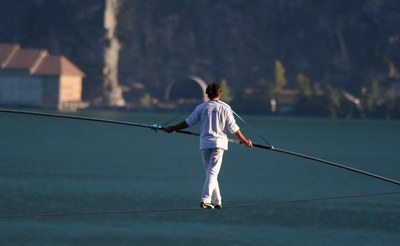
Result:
pixel 206 205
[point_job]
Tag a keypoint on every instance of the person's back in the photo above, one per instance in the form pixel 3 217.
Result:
pixel 216 120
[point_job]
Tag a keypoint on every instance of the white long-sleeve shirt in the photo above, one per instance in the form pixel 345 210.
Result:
pixel 216 120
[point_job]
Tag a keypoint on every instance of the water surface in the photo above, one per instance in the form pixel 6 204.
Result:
pixel 51 165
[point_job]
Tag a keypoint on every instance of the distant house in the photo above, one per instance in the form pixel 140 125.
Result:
pixel 34 78
pixel 285 101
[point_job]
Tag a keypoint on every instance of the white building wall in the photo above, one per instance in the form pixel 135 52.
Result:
pixel 70 89
pixel 21 90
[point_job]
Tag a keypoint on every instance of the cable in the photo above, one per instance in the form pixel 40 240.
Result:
pixel 157 127
pixel 64 214
pixel 158 210
pixel 313 199
pixel 248 125
pixel 173 119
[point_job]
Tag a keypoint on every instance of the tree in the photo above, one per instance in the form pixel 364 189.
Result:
pixel 309 97
pixel 280 78
pixel 304 86
pixel 317 89
pixel 225 91
pixel 371 96
pixel 304 96
pixel 265 91
pixel 268 91
pixel 112 92
pixel 334 101
pixel 390 105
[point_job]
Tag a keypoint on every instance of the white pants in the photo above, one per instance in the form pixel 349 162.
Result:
pixel 212 160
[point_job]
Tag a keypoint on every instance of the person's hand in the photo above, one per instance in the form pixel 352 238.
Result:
pixel 248 143
pixel 169 129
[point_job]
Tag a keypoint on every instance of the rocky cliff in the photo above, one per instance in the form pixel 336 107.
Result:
pixel 341 42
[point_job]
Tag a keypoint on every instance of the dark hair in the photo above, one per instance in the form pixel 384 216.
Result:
pixel 213 90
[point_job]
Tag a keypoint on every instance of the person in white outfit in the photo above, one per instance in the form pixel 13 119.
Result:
pixel 216 120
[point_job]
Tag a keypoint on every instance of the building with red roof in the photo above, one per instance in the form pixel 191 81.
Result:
pixel 34 78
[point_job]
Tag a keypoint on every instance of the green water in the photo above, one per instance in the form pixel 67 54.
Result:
pixel 53 165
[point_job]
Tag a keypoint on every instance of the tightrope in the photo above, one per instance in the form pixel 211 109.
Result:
pixel 160 210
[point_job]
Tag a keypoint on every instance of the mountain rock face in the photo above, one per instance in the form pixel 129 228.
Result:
pixel 340 42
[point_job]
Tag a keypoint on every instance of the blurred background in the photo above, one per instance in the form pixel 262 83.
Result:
pixel 287 57
pixel 149 61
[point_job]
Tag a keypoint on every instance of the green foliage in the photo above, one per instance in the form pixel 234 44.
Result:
pixel 313 100
pixel 280 78
pixel 371 95
pixel 334 101
pixel 390 105
pixel 268 90
pixel 309 98
pixel 304 86
pixel 226 91
pixel 317 89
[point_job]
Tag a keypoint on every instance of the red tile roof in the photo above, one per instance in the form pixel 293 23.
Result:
pixel 26 59
pixel 36 61
pixel 6 52
pixel 57 65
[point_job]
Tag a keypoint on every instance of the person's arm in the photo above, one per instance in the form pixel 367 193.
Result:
pixel 177 127
pixel 246 142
